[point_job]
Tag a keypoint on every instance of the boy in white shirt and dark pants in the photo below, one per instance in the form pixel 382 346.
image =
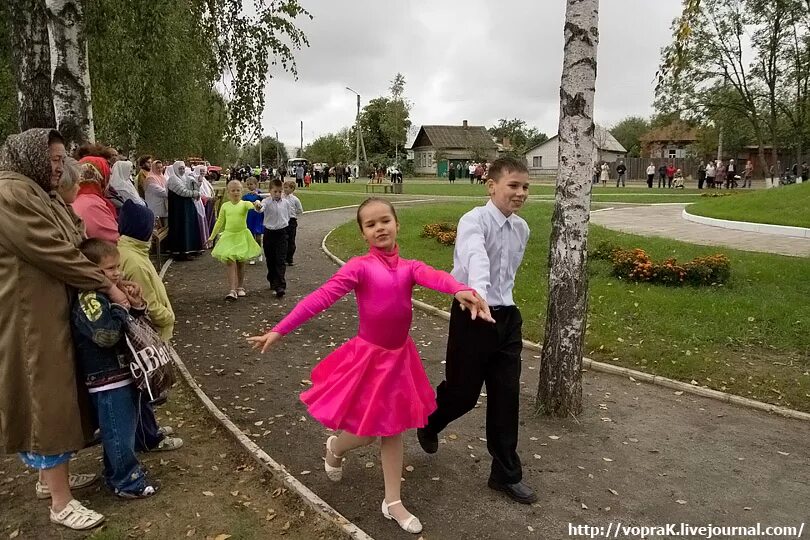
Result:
pixel 296 209
pixel 274 241
pixel 490 243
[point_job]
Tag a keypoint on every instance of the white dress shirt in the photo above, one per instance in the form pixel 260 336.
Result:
pixel 296 208
pixel 489 250
pixel 276 213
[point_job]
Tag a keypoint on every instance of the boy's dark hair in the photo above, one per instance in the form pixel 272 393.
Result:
pixel 276 183
pixel 506 165
pixel 142 160
pixel 373 200
pixel 96 250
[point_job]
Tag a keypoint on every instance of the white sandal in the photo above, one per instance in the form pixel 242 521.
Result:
pixel 76 481
pixel 410 524
pixel 333 473
pixel 77 517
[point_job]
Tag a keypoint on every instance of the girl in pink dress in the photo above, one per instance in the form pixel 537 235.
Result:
pixel 374 385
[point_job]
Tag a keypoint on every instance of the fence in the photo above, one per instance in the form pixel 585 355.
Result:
pixel 637 167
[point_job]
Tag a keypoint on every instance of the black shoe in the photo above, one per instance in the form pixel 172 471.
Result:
pixel 519 492
pixel 280 293
pixel 428 441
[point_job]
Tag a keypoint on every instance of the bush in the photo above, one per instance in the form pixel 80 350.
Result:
pixel 604 251
pixel 444 233
pixel 636 265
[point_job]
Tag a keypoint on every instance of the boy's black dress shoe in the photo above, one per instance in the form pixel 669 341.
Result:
pixel 428 441
pixel 519 492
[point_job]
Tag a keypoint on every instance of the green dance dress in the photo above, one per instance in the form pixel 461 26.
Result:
pixel 236 243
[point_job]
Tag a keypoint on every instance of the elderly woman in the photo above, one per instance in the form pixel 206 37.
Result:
pixel 91 204
pixel 185 235
pixel 40 414
pixel 121 185
pixel 156 193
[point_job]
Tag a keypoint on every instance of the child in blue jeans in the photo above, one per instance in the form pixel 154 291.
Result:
pixel 98 327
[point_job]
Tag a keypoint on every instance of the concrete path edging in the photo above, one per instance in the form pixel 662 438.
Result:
pixel 278 471
pixel 632 374
pixel 748 226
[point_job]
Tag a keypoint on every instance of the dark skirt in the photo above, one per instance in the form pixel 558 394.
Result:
pixel 184 228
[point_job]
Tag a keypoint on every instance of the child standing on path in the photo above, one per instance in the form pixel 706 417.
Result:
pixel 236 245
pixel 274 240
pixel 489 248
pixel 296 209
pixel 98 328
pixel 374 385
pixel 254 219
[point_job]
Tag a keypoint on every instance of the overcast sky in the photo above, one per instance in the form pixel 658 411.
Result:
pixel 472 60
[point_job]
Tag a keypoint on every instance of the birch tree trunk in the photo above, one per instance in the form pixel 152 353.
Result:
pixel 559 392
pixel 70 73
pixel 31 62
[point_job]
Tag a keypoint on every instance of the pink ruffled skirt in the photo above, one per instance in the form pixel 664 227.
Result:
pixel 371 391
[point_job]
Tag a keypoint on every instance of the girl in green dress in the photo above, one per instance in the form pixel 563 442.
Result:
pixel 236 244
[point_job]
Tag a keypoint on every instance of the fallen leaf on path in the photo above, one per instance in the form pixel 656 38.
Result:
pixel 537 456
pixel 613 491
pixel 208 493
pixel 553 437
pixel 584 506
pixel 679 393
pixel 222 536
pixel 14 534
pixel 191 532
pixel 304 473
pixel 409 468
pixel 783 453
pixel 607 459
pixel 369 464
pixel 680 501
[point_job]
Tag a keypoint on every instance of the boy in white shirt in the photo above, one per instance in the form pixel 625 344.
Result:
pixel 490 243
pixel 274 241
pixel 296 209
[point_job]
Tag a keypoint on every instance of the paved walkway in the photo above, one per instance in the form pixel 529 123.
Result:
pixel 638 454
pixel 667 221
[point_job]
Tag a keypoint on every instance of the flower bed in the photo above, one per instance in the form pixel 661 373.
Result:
pixel 444 233
pixel 636 265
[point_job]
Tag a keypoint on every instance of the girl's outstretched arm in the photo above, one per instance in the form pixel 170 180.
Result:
pixel 344 280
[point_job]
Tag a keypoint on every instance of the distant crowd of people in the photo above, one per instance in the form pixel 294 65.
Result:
pixel 476 172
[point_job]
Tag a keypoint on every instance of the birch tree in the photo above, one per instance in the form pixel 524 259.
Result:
pixel 70 74
pixel 560 389
pixel 27 23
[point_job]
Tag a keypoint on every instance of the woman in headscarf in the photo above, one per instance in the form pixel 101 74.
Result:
pixel 156 193
pixel 91 205
pixel 121 182
pixel 206 197
pixel 184 222
pixel 40 414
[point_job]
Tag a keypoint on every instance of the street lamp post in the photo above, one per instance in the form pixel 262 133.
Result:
pixel 357 132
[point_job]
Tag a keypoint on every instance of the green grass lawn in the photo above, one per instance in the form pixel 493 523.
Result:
pixel 600 194
pixel 736 338
pixel 317 201
pixel 786 205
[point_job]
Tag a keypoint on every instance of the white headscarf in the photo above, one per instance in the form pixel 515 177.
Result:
pixel 206 189
pixel 121 182
pixel 177 180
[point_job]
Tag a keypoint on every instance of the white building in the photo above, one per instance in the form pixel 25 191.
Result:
pixel 543 158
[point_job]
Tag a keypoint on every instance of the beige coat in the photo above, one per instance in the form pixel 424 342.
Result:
pixel 39 401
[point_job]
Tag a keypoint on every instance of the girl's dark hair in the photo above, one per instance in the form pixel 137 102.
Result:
pixel 375 200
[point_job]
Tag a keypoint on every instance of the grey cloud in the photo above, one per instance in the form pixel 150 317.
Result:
pixel 473 60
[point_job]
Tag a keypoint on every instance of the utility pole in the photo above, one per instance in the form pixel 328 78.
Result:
pixel 357 133
pixel 278 155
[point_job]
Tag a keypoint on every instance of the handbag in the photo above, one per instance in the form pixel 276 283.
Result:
pixel 150 358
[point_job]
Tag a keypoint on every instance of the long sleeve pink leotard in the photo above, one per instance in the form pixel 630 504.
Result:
pixel 383 284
